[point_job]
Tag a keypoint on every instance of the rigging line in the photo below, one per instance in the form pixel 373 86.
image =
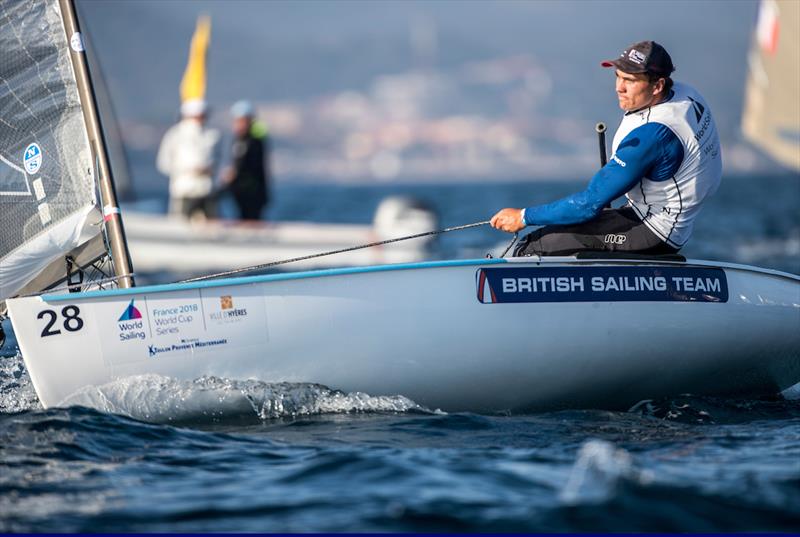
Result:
pixel 513 240
pixel 332 252
pixel 13 166
pixel 68 287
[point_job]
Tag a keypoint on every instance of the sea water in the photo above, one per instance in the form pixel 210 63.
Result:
pixel 154 454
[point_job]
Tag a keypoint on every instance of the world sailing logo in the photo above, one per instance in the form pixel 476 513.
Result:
pixel 130 313
pixel 32 158
pixel 130 324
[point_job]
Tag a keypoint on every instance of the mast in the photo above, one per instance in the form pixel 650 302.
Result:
pixel 111 213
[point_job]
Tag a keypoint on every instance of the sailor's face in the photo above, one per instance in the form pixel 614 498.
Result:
pixel 241 126
pixel 635 91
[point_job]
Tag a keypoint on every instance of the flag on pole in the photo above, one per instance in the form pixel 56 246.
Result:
pixel 193 84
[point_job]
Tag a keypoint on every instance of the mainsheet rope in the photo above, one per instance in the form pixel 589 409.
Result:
pixel 341 251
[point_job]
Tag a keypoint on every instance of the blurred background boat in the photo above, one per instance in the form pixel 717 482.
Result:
pixel 163 243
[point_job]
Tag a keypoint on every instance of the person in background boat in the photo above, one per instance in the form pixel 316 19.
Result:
pixel 188 155
pixel 247 178
pixel 665 159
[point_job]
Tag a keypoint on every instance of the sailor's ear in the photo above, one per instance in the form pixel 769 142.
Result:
pixel 658 85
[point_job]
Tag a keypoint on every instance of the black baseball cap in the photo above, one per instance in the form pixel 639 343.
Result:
pixel 643 57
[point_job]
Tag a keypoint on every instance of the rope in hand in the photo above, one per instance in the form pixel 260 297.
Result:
pixel 332 252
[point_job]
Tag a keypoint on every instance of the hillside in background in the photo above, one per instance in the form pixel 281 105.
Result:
pixel 414 88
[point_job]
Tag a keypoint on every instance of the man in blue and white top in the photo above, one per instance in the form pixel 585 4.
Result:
pixel 665 159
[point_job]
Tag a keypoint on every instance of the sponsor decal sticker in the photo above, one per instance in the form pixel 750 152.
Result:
pixel 601 284
pixel 32 159
pixel 44 213
pixel 130 324
pixel 38 189
pixel 76 42
pixel 184 346
pixel 131 312
pixel 613 238
pixel 237 314
pixel 228 312
pixel 636 57
pixel 179 317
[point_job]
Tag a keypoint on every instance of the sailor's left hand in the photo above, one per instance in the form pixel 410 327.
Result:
pixel 508 219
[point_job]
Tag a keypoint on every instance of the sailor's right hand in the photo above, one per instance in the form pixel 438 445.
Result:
pixel 508 219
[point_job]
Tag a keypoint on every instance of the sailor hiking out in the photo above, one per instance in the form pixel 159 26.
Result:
pixel 665 159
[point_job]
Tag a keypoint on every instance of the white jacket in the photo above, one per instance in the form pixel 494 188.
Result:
pixel 669 208
pixel 188 155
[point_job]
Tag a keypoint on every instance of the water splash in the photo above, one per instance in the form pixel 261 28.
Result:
pixel 16 390
pixel 598 472
pixel 706 409
pixel 161 399
pixel 792 393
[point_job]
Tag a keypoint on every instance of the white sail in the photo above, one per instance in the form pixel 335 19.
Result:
pixel 771 118
pixel 47 188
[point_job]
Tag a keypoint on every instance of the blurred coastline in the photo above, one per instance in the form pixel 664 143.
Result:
pixel 406 92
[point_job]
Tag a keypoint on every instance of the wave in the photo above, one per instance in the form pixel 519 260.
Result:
pixel 598 470
pixel 159 399
pixel 16 389
pixel 697 409
pixel 766 248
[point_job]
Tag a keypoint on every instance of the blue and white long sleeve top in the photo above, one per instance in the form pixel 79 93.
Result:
pixel 651 150
pixel 666 159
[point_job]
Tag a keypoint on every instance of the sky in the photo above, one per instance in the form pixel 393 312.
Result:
pixel 279 51
pixel 275 50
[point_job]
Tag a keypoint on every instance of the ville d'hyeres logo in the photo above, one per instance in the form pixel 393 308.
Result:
pixel 130 313
pixel 228 313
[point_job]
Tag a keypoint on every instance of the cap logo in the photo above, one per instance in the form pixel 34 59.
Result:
pixel 636 57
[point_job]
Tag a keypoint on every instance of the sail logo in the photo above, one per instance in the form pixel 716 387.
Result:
pixel 130 324
pixel 699 109
pixel 76 42
pixel 130 313
pixel 485 292
pixel 32 159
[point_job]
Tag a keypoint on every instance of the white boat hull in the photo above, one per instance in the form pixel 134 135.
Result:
pixel 434 332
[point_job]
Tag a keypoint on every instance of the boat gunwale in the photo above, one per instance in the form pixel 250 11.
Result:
pixel 321 273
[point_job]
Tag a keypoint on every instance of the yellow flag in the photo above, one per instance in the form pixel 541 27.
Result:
pixel 193 85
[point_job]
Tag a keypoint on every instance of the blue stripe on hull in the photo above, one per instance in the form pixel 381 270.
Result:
pixel 271 278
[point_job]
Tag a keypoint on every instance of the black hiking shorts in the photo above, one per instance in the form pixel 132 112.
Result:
pixel 614 230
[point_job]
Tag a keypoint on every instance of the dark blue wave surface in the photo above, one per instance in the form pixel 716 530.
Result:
pixel 157 455
pixel 712 465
